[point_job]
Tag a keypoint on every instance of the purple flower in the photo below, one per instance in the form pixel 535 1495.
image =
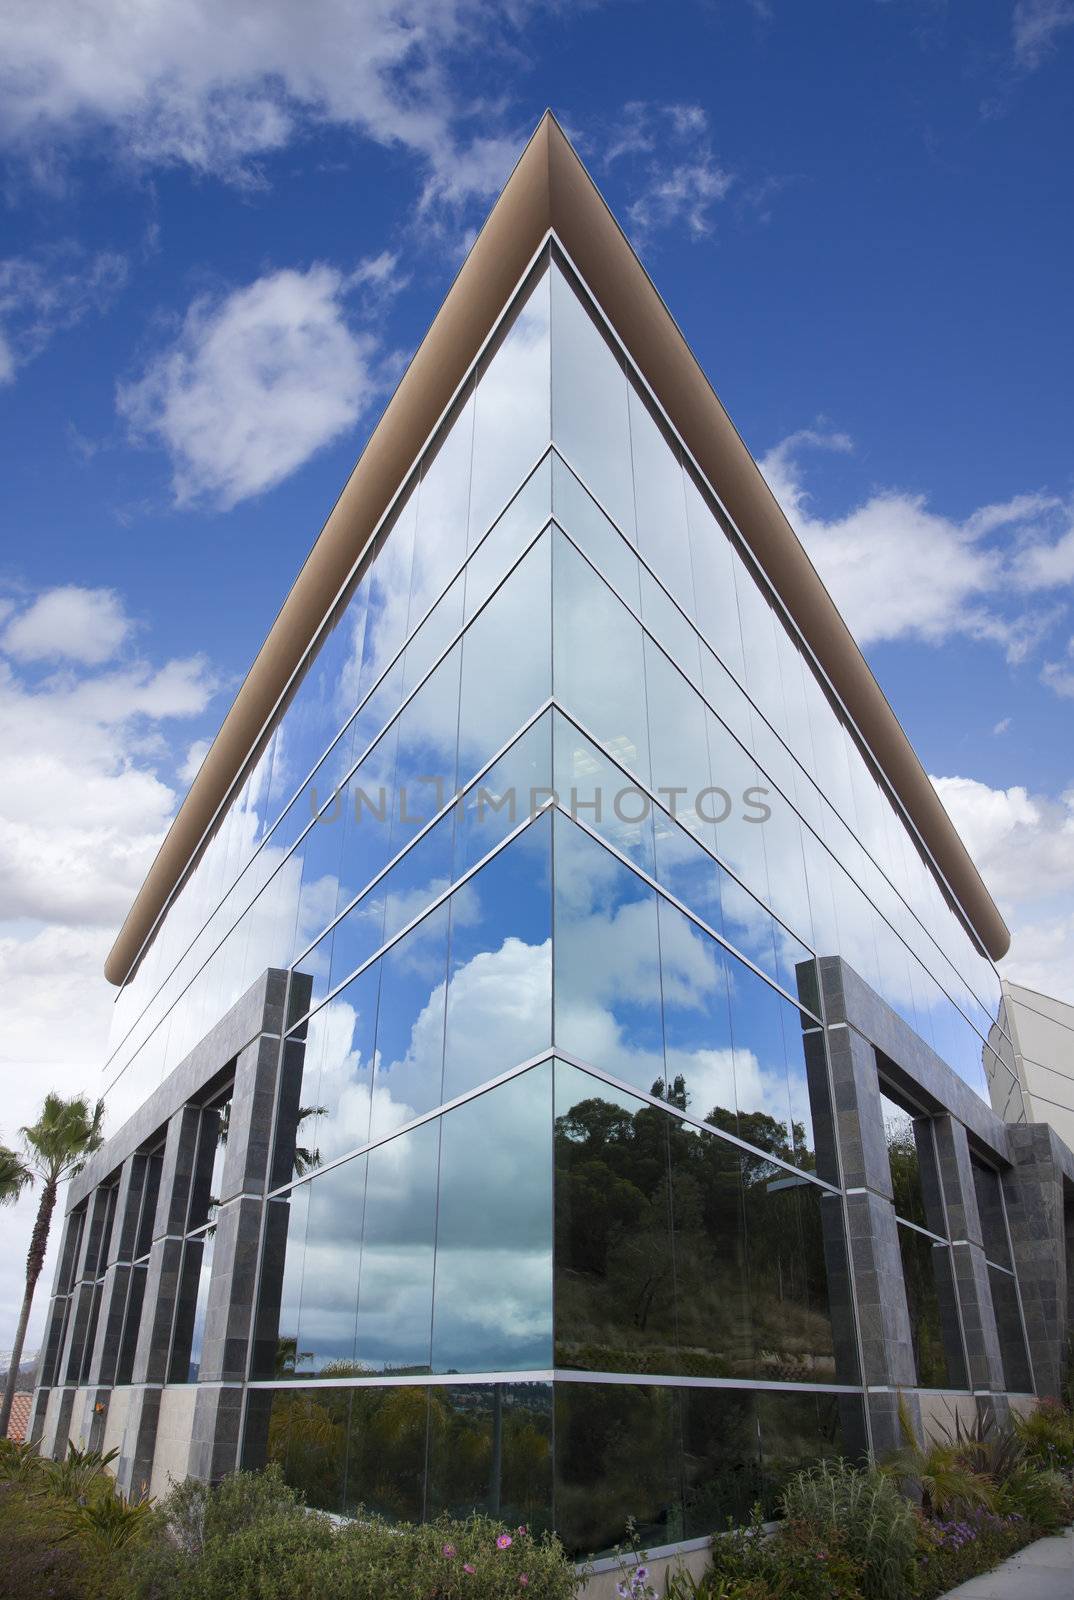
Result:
pixel 641 1574
pixel 503 1541
pixel 450 1552
pixel 466 1567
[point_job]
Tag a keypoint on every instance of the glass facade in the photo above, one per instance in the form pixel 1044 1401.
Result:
pixel 554 822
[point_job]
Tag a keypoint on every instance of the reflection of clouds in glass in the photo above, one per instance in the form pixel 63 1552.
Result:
pixel 494 1234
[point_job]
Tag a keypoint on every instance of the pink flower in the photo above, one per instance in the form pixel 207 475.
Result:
pixel 523 1579
pixel 503 1541
pixel 522 1527
pixel 466 1567
pixel 450 1552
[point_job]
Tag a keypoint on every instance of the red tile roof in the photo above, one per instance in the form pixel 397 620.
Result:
pixel 20 1416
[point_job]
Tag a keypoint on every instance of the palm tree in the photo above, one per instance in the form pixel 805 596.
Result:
pixel 14 1175
pixel 57 1146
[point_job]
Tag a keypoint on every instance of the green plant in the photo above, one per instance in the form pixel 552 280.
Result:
pixel 939 1474
pixel 107 1524
pixel 864 1512
pixel 1047 1436
pixel 78 1475
pixel 20 1461
pixel 195 1515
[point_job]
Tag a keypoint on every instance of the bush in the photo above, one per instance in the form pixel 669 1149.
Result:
pixel 251 1538
pixel 865 1513
pixel 1047 1436
pixel 949 1552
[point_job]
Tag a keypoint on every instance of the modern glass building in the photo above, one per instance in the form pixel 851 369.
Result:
pixel 558 1065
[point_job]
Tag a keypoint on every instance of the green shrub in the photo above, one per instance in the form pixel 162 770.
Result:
pixel 1047 1436
pixel 864 1512
pixel 790 1563
pixel 196 1515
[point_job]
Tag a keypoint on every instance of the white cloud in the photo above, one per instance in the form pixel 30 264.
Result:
pixel 676 180
pixel 216 88
pixel 70 624
pixel 1036 26
pixel 897 569
pixel 42 297
pixel 255 383
pixel 1024 846
pixel 1002 726
pixel 83 808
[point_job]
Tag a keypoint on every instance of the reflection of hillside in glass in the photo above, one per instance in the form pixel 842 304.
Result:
pixel 678 1252
pixel 408 1452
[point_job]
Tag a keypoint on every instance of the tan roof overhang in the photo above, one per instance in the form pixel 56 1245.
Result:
pixel 550 189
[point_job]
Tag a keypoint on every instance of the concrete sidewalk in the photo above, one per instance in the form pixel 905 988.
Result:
pixel 1042 1571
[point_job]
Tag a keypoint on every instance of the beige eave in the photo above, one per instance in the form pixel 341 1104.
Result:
pixel 550 189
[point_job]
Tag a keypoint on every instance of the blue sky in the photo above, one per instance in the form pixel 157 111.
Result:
pixel 224 230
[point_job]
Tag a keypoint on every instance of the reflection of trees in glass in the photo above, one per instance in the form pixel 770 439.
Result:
pixel 490 1449
pixel 308 1438
pixel 618 1455
pixel 677 1251
pixel 410 1451
pixel 614 1276
pixel 923 1303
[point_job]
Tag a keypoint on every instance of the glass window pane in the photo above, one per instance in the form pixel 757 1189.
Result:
pixel 516 785
pixel 1012 1341
pixel 713 567
pixel 787 1218
pixel 333 1114
pixel 599 661
pixel 905 1162
pixel 711 1284
pixel 307 1439
pixel 697 1020
pixel 410 1025
pixel 986 1183
pixel 395 1294
pixel 618 1458
pixel 329 1297
pixel 490 1451
pixel 761 1081
pixel 499 1004
pixel 512 424
pixel 283 1259
pixel 386 1452
pixel 721 1443
pixel 926 1270
pixel 606 961
pixel 492 1310
pixel 577 512
pixel 614 1274
pixel 798 1430
pixel 681 776
pixel 443 512
pixel 660 503
pixel 590 422
pixel 506 661
pixel 502 546
pixel 594 790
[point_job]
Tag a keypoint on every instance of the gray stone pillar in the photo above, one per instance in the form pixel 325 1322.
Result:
pixel 950 1173
pixel 1034 1193
pixel 876 1264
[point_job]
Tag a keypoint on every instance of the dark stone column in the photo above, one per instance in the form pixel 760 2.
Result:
pixel 1035 1198
pixel 876 1264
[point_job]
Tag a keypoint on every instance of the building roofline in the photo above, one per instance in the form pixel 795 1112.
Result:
pixel 549 189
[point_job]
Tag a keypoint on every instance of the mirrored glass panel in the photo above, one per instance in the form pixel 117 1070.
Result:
pixel 615 1308
pixel 499 998
pixel 618 1458
pixel 490 1451
pixel 606 961
pixel 395 1296
pixel 492 1309
pixel 590 422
